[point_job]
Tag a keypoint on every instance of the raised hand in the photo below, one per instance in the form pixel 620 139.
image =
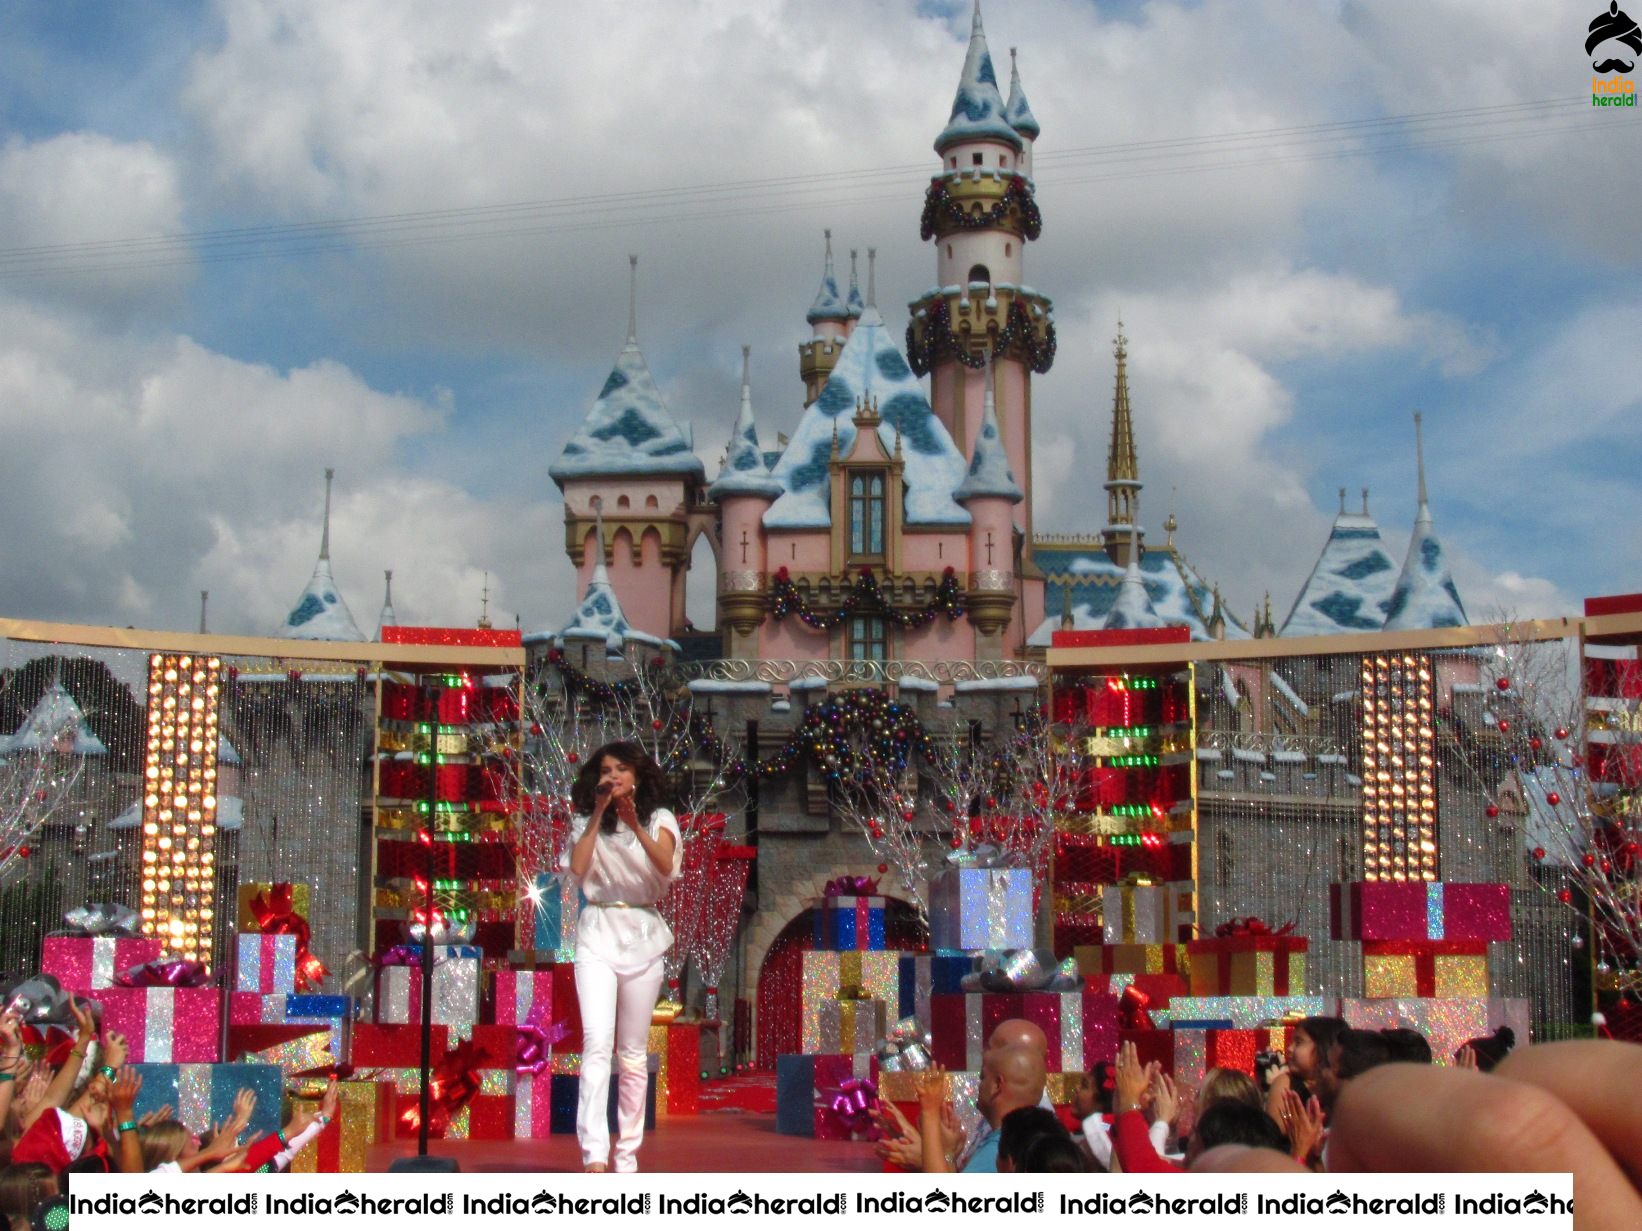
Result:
pixel 1132 1080
pixel 31 1093
pixel 115 1049
pixel 150 1118
pixel 1165 1098
pixel 1302 1122
pixel 126 1088
pixel 931 1086
pixel 85 1025
pixel 1465 1058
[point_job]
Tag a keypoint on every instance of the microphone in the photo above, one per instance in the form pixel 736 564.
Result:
pixel 604 788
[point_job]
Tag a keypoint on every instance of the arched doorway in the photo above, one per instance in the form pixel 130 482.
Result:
pixel 781 977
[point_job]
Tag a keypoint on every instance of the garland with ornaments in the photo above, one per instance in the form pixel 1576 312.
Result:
pixel 936 340
pixel 944 213
pixel 865 595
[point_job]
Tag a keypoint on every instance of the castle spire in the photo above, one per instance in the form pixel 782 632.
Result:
pixel 978 108
pixel 829 305
pixel 1122 465
pixel 854 302
pixel 325 534
pixel 632 299
pixel 989 473
pixel 1017 110
pixel 1425 595
pixel 320 614
pixel 744 472
pixel 387 619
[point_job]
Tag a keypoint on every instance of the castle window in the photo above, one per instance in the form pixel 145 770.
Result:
pixel 979 159
pixel 1003 160
pixel 949 252
pixel 622 502
pixel 650 502
pixel 1009 249
pixel 980 273
pixel 868 641
pixel 867 513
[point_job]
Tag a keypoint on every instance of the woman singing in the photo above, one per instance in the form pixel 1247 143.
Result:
pixel 626 853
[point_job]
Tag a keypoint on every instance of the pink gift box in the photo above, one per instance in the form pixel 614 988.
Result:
pixel 1420 910
pixel 91 963
pixel 165 1025
pixel 1081 1027
pixel 267 963
pixel 524 997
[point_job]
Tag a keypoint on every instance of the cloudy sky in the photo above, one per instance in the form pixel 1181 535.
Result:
pixel 242 240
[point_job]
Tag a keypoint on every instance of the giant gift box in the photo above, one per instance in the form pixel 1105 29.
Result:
pixel 364 1117
pixel 1131 959
pixel 201 1095
pixel 1419 910
pixel 165 1025
pixel 971 909
pixel 1444 969
pixel 457 987
pixel 266 963
pixel 1141 915
pixel 850 921
pixel 843 974
pixel 924 974
pixel 1248 965
pixel 849 1026
pixel 91 963
pixel 1081 1026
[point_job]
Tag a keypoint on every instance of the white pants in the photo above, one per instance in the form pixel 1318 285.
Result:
pixel 616 1011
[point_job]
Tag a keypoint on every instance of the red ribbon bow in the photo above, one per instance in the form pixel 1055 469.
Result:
pixel 276 915
pixel 452 1083
pixel 49 1043
pixel 1134 1009
pixel 1253 926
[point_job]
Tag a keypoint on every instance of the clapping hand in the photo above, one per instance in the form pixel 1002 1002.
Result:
pixel 1166 1099
pixel 1133 1080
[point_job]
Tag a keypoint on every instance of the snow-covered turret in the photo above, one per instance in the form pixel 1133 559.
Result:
pixel 978 109
pixel 1349 589
pixel 55 724
pixel 1019 114
pixel 1425 595
pixel 744 489
pixel 857 305
pixel 1133 607
pixel 832 316
pixel 989 492
pixel 320 614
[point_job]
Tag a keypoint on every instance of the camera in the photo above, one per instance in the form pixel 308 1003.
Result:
pixel 1265 1064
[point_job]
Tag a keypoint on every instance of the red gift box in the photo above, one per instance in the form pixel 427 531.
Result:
pixel 1151 1045
pixel 1232 965
pixel 1233 1049
pixel 961 1022
pixel 394 1047
pixel 683 1068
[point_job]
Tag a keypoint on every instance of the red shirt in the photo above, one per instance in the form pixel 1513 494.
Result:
pixel 1133 1146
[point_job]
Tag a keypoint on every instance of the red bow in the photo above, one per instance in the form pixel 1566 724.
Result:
pixel 452 1083
pixel 1253 926
pixel 49 1043
pixel 276 915
pixel 1135 1009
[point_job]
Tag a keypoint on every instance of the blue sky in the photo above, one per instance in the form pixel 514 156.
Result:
pixel 1290 297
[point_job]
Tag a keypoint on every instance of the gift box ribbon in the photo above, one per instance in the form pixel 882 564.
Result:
pixel 109 919
pixel 166 972
pixel 276 915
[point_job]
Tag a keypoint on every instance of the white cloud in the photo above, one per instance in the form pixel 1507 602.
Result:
pixel 84 190
pixel 146 469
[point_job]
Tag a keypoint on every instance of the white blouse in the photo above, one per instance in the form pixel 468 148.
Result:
pixel 625 938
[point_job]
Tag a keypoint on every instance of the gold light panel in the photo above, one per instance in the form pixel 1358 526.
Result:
pixel 179 873
pixel 1399 769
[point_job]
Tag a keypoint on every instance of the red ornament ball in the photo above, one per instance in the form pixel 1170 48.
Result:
pixel 1564 896
pixel 23 852
pixel 957 842
pixel 572 757
pixel 907 815
pixel 1552 798
pixel 1502 683
pixel 1588 859
pixel 1504 725
pixel 883 868
pixel 1492 810
pixel 1562 732
pixel 1539 852
pixel 1534 743
pixel 655 724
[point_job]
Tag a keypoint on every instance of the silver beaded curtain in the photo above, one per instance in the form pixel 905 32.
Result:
pixel 293 802
pixel 1279 818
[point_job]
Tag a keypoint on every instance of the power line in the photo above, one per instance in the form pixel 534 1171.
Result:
pixel 1136 160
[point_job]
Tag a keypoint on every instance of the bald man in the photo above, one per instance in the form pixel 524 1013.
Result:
pixel 1011 1078
pixel 1018 1032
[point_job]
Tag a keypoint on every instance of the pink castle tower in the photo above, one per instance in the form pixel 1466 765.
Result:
pixel 980 214
pixel 633 458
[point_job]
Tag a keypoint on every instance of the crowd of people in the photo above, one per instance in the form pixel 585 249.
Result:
pixel 1342 1099
pixel 75 1111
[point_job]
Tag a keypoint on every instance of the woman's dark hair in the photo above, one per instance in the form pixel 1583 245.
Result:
pixel 1408 1046
pixel 1360 1050
pixel 1053 1155
pixel 1021 1130
pixel 1105 1086
pixel 1323 1032
pixel 1492 1048
pixel 1233 1122
pixel 649 785
pixel 22 1187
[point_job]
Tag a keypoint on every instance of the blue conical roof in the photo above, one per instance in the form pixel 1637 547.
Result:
pixel 1349 590
pixel 829 304
pixel 871 366
pixel 744 472
pixel 1425 596
pixel 857 305
pixel 1133 607
pixel 989 473
pixel 1017 110
pixel 628 430
pixel 978 110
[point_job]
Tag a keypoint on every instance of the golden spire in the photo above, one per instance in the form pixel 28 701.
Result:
pixel 1121 463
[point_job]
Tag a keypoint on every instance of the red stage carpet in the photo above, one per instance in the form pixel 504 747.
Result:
pixel 734 1133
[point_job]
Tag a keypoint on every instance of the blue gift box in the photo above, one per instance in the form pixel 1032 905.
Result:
pixel 201 1095
pixel 558 903
pixel 795 1095
pixel 850 922
pixel 925 974
pixel 566 1090
pixel 971 909
pixel 319 1008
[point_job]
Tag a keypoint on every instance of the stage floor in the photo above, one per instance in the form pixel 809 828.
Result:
pixel 725 1141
